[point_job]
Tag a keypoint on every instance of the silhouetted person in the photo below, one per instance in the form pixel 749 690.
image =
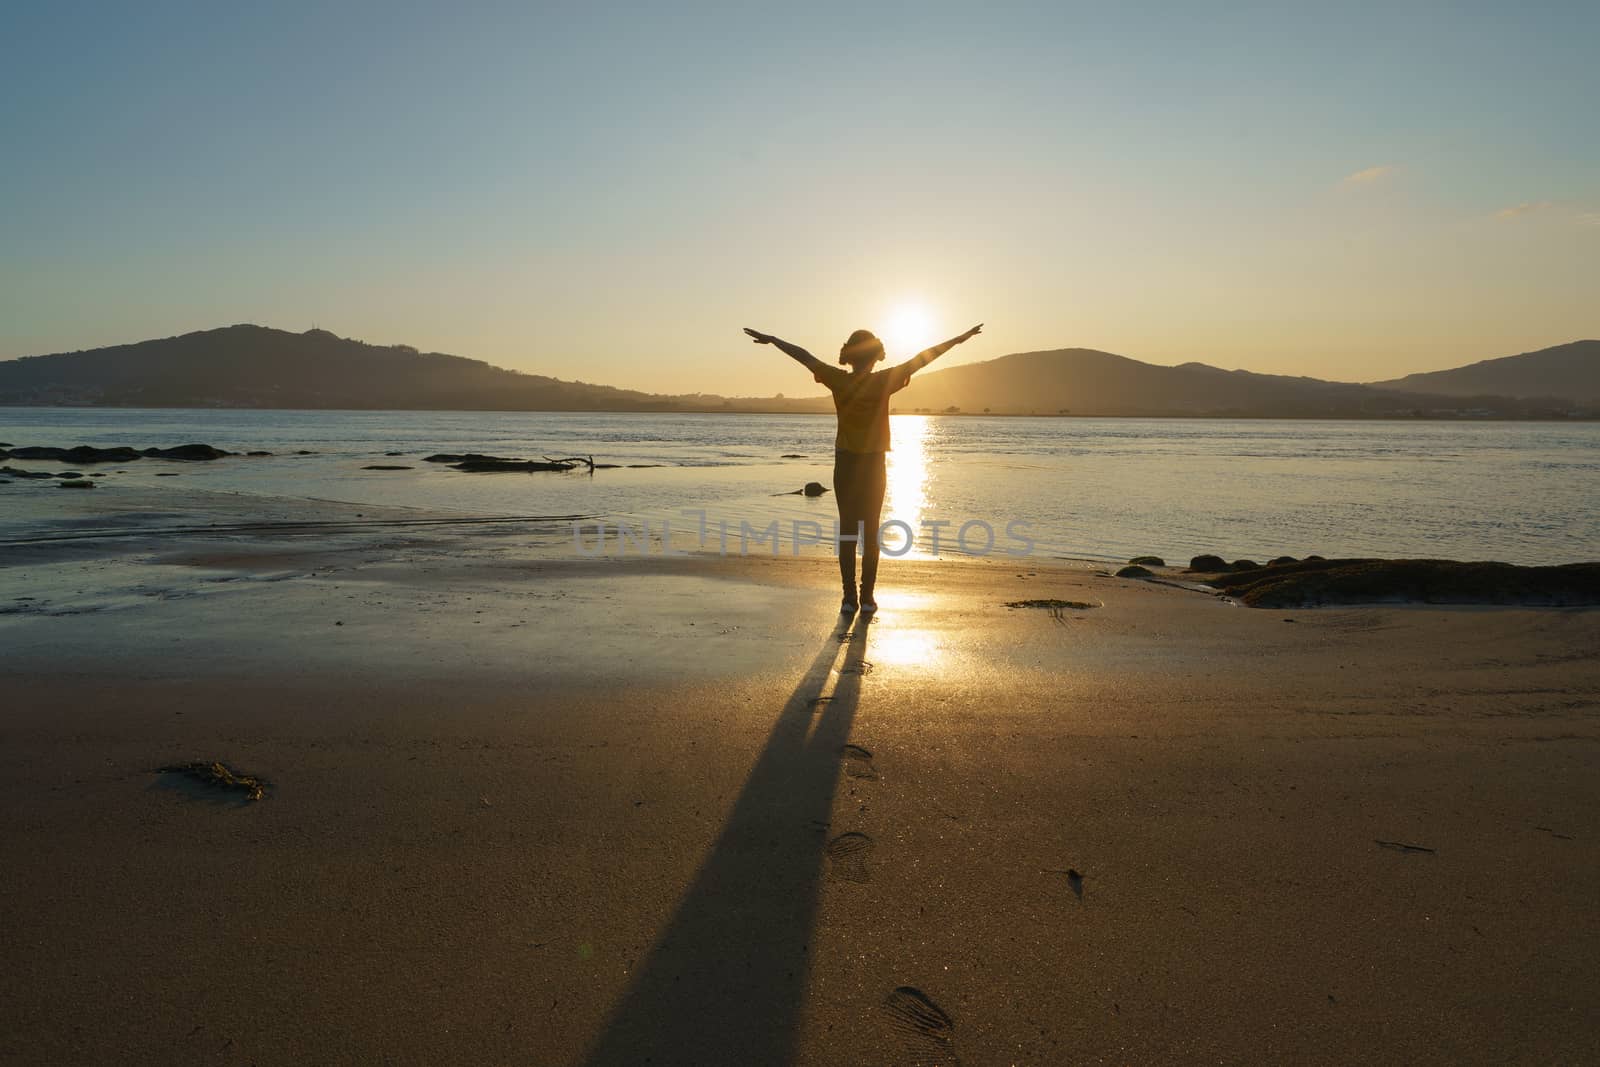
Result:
pixel 861 399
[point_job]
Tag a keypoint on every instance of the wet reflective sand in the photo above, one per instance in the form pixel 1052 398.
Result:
pixel 527 808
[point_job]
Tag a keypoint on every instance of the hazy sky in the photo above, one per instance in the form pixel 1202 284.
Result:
pixel 610 192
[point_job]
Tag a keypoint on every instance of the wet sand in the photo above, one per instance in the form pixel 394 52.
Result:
pixel 531 808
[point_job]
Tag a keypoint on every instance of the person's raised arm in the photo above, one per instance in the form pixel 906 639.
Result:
pixel 795 352
pixel 928 355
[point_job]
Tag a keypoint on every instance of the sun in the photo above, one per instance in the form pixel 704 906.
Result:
pixel 907 330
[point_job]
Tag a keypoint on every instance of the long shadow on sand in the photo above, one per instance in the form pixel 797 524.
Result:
pixel 725 980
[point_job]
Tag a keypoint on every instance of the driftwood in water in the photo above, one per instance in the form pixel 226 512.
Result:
pixel 474 464
pixel 494 466
pixel 477 463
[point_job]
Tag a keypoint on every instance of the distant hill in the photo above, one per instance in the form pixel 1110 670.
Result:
pixel 1083 381
pixel 1570 371
pixel 255 366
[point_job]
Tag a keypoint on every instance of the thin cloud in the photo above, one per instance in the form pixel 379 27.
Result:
pixel 1370 175
pixel 1525 208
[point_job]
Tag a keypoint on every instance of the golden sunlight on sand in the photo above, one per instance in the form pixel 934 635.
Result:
pixel 905 648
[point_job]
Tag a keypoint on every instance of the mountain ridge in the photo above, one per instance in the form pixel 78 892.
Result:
pixel 1570 370
pixel 247 365
pixel 260 366
pixel 1103 383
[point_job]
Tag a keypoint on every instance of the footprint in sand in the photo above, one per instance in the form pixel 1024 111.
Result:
pixel 923 1029
pixel 858 762
pixel 847 857
pixel 858 667
pixel 1057 608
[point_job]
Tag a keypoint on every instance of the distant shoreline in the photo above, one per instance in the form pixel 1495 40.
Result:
pixel 1190 417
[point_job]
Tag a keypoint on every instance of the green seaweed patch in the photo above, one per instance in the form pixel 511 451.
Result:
pixel 1053 605
pixel 219 776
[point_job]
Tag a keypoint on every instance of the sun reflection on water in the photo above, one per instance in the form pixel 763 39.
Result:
pixel 907 498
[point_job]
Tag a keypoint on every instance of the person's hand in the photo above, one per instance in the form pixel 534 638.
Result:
pixel 975 331
pixel 758 337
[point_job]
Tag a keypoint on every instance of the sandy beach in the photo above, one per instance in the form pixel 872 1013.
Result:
pixel 428 432
pixel 526 807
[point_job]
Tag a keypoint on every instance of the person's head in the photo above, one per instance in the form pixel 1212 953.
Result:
pixel 862 350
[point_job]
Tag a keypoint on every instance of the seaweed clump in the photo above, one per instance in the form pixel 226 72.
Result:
pixel 220 776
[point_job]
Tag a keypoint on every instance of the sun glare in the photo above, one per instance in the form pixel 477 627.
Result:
pixel 908 329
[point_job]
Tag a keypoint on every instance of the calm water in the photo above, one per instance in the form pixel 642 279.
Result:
pixel 1088 488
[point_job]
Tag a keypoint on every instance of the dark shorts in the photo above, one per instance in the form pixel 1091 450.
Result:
pixel 859 479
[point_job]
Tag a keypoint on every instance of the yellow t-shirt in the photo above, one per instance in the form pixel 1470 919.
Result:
pixel 862 404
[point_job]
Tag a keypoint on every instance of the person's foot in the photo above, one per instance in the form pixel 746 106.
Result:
pixel 847 606
pixel 868 605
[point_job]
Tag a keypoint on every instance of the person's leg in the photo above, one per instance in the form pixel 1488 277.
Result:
pixel 874 483
pixel 845 493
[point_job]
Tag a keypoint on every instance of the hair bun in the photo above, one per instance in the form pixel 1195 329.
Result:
pixel 861 341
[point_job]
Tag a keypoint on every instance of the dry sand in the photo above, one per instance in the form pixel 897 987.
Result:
pixel 528 808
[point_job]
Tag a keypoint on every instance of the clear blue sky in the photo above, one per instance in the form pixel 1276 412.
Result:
pixel 608 193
